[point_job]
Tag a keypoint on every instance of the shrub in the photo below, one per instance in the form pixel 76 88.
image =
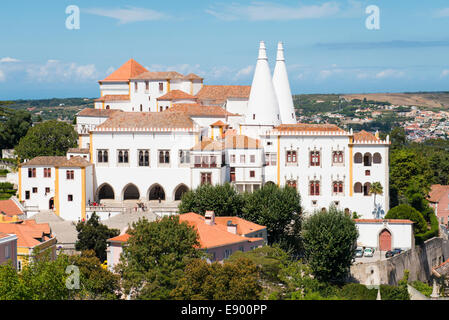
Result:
pixel 425 289
pixel 433 232
pixel 404 211
pixel 357 291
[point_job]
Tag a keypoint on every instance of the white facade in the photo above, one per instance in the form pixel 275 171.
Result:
pixel 401 233
pixel 133 160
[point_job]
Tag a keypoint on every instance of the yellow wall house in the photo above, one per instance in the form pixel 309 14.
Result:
pixel 30 236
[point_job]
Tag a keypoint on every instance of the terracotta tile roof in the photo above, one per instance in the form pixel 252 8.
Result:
pixel 147 120
pixel 78 150
pixel 308 127
pixel 437 191
pixel 192 76
pixel 57 161
pixel 10 208
pixel 113 97
pixel 29 233
pixel 442 269
pixel 177 95
pixel 158 75
pixel 219 94
pixel 364 136
pixel 3 235
pixel 406 221
pixel 90 112
pixel 241 142
pixel 208 145
pixel 243 226
pixel 210 236
pixel 199 110
pixel 219 123
pixel 120 238
pixel 128 70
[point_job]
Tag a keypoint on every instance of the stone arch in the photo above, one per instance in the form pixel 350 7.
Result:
pixel 377 158
pixel 358 158
pixel 179 191
pixel 105 191
pixel 130 192
pixel 156 192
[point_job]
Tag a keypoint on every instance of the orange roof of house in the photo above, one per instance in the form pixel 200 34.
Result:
pixel 29 233
pixel 437 191
pixel 120 238
pixel 158 75
pixel 128 70
pixel 78 150
pixel 364 136
pixel 90 112
pixel 192 76
pixel 243 226
pixel 10 208
pixel 382 220
pixel 210 236
pixel 113 97
pixel 208 144
pixel 308 127
pixel 147 120
pixel 177 95
pixel 219 123
pixel 58 161
pixel 194 109
pixel 218 94
pixel 241 142
pixel 4 235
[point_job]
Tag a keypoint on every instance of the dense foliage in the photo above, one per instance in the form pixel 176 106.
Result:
pixel 329 239
pixel 14 124
pixel 92 235
pixel 49 138
pixel 404 211
pixel 6 190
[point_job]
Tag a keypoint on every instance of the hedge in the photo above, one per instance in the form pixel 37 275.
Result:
pixel 433 232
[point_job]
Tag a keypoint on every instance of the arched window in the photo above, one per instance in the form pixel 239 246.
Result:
pixel 167 157
pixel 367 159
pixel 358 158
pixel 377 158
pixel 125 156
pixel 141 108
pixel 337 187
pixel 337 157
pixel 105 156
pixel 99 156
pixel 366 189
pixel 147 159
pixel 314 188
pixel 161 156
pixel 291 183
pixel 358 187
pixel 107 107
pixel 314 158
pixel 120 156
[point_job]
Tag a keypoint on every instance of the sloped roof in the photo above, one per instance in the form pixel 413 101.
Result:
pixel 309 127
pixel 218 94
pixel 158 75
pixel 437 191
pixel 177 95
pixel 113 97
pixel 364 136
pixel 58 161
pixel 120 238
pixel 243 226
pixel 208 144
pixel 146 120
pixel 219 123
pixel 29 233
pixel 10 208
pixel 442 269
pixel 241 142
pixel 193 109
pixel 128 70
pixel 90 112
pixel 192 76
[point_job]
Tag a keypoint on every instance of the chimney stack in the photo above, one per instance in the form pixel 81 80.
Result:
pixel 232 228
pixel 210 218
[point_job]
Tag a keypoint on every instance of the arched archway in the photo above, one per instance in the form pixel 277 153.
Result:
pixel 377 158
pixel 385 240
pixel 269 182
pixel 366 189
pixel 131 192
pixel 105 191
pixel 179 191
pixel 367 159
pixel 156 192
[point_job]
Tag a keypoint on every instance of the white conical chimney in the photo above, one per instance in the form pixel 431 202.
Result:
pixel 263 106
pixel 282 88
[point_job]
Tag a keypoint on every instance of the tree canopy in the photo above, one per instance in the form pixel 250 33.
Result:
pixel 49 138
pixel 14 127
pixel 405 211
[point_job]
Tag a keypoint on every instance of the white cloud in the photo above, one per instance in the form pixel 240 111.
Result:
pixel 390 73
pixel 8 59
pixel 442 13
pixel 245 72
pixel 268 11
pixel 55 71
pixel 2 76
pixel 444 73
pixel 128 15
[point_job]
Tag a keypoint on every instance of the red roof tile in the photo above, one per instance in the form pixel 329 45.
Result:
pixel 128 70
pixel 177 95
pixel 219 94
pixel 10 208
pixel 437 191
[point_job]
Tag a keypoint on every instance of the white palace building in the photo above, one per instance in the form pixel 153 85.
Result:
pixel 154 135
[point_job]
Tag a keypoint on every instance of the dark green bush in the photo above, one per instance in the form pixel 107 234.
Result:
pixel 357 291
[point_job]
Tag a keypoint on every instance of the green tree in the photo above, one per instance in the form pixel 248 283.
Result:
pixel 224 200
pixel 398 137
pixel 49 138
pixel 14 127
pixel 376 189
pixel 92 235
pixel 155 256
pixel 404 211
pixel 96 282
pixel 329 241
pixel 233 280
pixel 279 209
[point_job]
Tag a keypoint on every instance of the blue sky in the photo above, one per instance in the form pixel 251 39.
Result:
pixel 328 47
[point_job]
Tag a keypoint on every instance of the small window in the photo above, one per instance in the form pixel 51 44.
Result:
pixel 252 158
pixel 47 172
pixel 70 174
pixel 47 190
pixel 291 156
pixel 164 156
pixel 147 85
pixel 7 251
pixel 135 86
pixel 34 190
pixel 242 158
pixel 252 174
pixel 123 156
pixel 70 197
pixel 161 86
pixel 27 195
pixel 232 158
pixel 315 158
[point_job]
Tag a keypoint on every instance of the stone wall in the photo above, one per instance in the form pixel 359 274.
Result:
pixel 419 261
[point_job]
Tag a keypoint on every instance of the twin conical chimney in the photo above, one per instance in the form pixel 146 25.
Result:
pixel 263 108
pixel 282 88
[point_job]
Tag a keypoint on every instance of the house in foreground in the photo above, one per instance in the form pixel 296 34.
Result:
pixel 218 236
pixel 8 249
